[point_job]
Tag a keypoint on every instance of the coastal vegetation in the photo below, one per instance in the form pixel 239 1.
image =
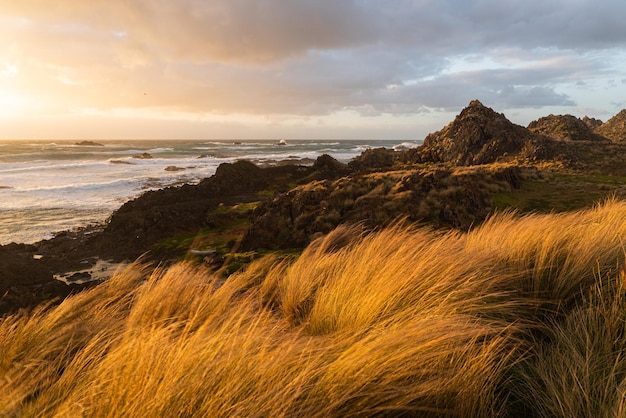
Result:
pixel 481 274
pixel 523 315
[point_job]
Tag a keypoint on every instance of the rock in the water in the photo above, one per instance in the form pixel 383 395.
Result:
pixel 89 144
pixel 143 156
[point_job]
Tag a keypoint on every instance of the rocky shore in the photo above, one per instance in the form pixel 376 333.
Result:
pixel 479 163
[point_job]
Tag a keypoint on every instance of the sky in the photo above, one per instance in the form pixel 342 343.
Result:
pixel 301 69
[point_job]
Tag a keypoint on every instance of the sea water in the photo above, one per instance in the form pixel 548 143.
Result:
pixel 51 186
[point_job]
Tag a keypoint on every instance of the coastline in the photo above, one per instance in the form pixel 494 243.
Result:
pixel 53 186
pixel 244 211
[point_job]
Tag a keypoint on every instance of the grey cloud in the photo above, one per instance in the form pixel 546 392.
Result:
pixel 455 26
pixel 371 94
pixel 534 97
pixel 223 30
pixel 266 30
pixel 371 83
pixel 318 56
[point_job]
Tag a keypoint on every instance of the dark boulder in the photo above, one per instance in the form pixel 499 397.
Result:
pixel 327 167
pixel 374 159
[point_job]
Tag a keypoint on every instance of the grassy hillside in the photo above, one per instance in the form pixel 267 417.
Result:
pixel 524 315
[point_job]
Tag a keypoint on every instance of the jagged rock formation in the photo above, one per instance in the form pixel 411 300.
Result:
pixel 614 128
pixel 479 135
pixel 564 127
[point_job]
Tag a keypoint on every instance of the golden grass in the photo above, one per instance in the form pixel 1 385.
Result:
pixel 582 372
pixel 520 316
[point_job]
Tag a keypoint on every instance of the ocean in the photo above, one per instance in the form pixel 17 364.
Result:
pixel 52 186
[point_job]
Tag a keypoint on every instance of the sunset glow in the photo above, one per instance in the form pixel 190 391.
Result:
pixel 300 69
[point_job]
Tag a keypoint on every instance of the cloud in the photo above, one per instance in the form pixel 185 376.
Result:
pixel 222 30
pixel 309 57
pixel 265 30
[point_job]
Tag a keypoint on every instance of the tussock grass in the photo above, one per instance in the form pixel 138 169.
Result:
pixel 520 316
pixel 582 372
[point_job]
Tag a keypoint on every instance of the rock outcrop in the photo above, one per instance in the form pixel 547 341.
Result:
pixel 159 214
pixel 614 128
pixel 564 127
pixel 478 135
pixel 26 279
pixel 592 123
pixel 442 197
pixel 327 167
pixel 375 159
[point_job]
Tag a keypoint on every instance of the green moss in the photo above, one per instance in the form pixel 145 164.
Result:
pixel 181 240
pixel 229 224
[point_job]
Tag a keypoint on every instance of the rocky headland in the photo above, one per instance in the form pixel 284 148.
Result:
pixel 478 164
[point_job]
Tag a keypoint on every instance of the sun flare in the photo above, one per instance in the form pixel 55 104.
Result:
pixel 10 103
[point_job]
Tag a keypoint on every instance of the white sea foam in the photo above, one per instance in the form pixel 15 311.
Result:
pixel 406 145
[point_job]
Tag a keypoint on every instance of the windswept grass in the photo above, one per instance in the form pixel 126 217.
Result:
pixel 582 372
pixel 520 316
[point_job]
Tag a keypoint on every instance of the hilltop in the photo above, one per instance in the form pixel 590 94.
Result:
pixel 478 135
